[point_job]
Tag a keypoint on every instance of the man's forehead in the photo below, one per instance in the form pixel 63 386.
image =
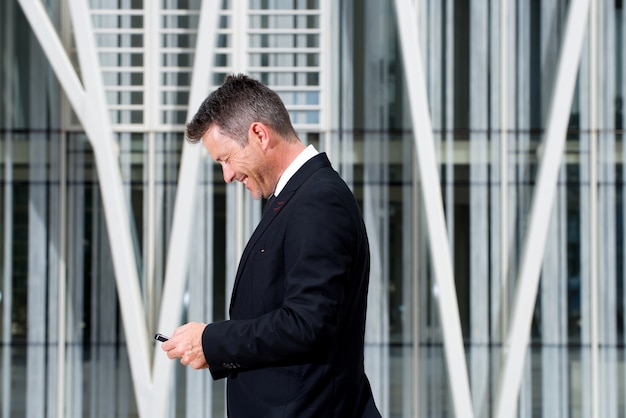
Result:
pixel 218 144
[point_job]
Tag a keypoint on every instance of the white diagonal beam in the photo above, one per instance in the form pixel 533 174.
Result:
pixel 53 48
pixel 177 255
pixel 543 198
pixel 90 108
pixel 116 208
pixel 433 207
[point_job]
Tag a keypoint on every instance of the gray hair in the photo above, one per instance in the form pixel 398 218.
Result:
pixel 235 105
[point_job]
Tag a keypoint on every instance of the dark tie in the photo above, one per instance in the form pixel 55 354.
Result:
pixel 269 203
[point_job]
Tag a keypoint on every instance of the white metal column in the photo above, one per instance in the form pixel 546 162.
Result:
pixel 593 209
pixel 7 268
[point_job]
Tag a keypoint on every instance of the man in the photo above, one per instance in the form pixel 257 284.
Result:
pixel 293 346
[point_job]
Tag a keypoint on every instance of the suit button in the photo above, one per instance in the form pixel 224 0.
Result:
pixel 231 365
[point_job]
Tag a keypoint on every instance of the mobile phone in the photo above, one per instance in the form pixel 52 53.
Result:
pixel 161 337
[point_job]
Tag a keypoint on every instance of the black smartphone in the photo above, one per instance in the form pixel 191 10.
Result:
pixel 161 337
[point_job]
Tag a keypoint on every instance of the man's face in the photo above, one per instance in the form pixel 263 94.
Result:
pixel 247 165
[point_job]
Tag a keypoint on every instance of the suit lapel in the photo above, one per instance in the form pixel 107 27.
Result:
pixel 275 206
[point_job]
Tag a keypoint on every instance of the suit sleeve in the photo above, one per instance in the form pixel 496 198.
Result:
pixel 317 246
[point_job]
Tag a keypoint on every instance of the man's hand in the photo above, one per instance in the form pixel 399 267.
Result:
pixel 186 344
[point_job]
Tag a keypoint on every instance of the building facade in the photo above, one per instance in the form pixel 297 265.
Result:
pixel 482 139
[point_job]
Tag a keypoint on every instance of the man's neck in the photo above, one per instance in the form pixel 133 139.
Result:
pixel 286 153
pixel 306 154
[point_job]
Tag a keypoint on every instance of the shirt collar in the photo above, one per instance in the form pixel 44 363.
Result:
pixel 308 153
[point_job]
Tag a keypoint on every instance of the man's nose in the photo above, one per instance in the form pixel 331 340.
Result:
pixel 229 175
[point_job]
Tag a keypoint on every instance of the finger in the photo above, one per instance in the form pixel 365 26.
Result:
pixel 200 363
pixel 167 345
pixel 187 359
pixel 175 349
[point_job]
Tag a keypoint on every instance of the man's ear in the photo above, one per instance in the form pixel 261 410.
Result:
pixel 260 133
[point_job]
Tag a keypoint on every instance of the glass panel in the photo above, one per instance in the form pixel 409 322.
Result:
pixel 284 4
pixel 111 40
pixel 284 41
pixel 125 97
pixel 115 21
pixel 187 21
pixel 283 22
pixel 178 41
pixel 121 60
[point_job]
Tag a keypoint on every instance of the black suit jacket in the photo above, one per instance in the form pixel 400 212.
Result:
pixel 294 344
